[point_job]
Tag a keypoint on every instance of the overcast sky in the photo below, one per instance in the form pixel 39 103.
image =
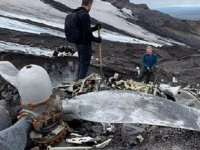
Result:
pixel 167 3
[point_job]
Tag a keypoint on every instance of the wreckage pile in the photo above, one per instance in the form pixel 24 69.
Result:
pixel 64 51
pixel 89 84
pixel 94 82
pixel 131 85
pixel 89 135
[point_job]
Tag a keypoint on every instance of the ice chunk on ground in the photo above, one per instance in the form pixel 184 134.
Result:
pixel 26 27
pixel 14 47
pixel 172 91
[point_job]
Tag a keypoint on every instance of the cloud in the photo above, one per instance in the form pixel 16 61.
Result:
pixel 168 3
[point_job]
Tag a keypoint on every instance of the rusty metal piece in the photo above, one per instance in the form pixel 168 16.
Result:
pixel 50 113
pixel 47 122
pixel 43 121
pixel 51 139
pixel 35 106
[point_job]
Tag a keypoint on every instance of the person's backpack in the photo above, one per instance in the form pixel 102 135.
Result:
pixel 72 30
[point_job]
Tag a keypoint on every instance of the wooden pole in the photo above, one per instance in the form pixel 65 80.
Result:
pixel 100 54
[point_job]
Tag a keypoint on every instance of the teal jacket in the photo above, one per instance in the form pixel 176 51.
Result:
pixel 149 61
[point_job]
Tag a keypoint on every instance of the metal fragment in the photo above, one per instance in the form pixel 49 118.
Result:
pixel 104 144
pixel 69 148
pixel 9 72
pixel 79 140
pixel 133 107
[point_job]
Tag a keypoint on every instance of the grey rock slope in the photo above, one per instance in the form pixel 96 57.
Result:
pixel 184 31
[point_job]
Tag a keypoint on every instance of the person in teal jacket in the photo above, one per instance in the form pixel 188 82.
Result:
pixel 149 63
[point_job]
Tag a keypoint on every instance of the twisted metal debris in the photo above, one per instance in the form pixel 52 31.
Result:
pixel 131 85
pixel 89 84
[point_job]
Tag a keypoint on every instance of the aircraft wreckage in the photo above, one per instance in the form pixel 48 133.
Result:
pixel 42 110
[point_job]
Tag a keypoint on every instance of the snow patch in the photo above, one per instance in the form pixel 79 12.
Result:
pixel 8 46
pixel 26 27
pixel 33 10
pixel 127 11
pixel 117 37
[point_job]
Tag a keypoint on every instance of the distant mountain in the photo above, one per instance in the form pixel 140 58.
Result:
pixel 188 13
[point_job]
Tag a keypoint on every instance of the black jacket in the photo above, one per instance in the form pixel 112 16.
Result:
pixel 84 23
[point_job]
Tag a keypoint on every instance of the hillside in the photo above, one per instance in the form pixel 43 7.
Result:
pixel 184 31
pixel 122 21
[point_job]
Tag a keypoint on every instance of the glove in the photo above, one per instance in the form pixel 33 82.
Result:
pixel 55 54
pixel 97 26
pixel 98 40
pixel 153 69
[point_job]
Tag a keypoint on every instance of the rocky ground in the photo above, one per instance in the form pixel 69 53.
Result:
pixel 181 62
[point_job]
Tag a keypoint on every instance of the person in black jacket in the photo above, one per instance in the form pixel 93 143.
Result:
pixel 84 45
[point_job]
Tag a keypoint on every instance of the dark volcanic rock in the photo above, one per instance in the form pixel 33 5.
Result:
pixel 9 98
pixel 131 133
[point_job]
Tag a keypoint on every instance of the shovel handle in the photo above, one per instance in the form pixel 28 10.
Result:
pixel 99 30
pixel 100 53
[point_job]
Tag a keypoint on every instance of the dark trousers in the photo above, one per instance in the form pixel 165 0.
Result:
pixel 84 57
pixel 146 75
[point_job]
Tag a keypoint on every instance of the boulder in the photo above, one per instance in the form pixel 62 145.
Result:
pixel 132 134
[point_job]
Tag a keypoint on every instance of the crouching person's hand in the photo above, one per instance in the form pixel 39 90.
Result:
pixel 154 69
